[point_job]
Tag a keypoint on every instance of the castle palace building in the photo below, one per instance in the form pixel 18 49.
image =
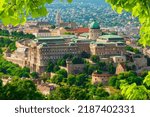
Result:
pixel 36 53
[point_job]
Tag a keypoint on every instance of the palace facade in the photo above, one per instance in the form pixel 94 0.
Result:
pixel 36 53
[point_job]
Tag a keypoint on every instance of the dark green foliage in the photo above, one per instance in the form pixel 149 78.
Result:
pixel 53 26
pixel 118 83
pixel 68 56
pixel 84 55
pixel 12 47
pixel 1 51
pixel 24 75
pixel 4 32
pixel 97 93
pixel 128 77
pixel 16 34
pixel 77 93
pixel 116 96
pixel 71 80
pixel 61 93
pixel 1 89
pixel 148 61
pixel 95 58
pixel 77 60
pixel 131 86
pixel 89 69
pixel 101 66
pixel 112 81
pixel 8 40
pixel 129 48
pixel 99 72
pixel 25 72
pixel 22 35
pixel 115 81
pixel 62 72
pixel 26 69
pixel 134 79
pixel 81 80
pixel 146 81
pixel 111 69
pixel 5 42
pixel 61 62
pixel 50 66
pixel 57 79
pixel 12 69
pixel 56 68
pixel 34 75
pixel 19 89
pixel 101 94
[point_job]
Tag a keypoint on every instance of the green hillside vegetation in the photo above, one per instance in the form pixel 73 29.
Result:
pixel 19 89
pixel 127 85
pixel 7 40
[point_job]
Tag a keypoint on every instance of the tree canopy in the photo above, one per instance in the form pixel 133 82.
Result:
pixel 147 81
pixel 20 89
pixel 133 92
pixel 131 85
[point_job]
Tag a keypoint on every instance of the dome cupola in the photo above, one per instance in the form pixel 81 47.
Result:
pixel 94 25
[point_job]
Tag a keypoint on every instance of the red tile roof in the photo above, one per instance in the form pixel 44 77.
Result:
pixel 79 30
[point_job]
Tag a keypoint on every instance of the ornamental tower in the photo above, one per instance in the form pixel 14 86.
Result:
pixel 58 19
pixel 94 30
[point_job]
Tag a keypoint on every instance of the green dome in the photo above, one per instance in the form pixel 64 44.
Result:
pixel 94 25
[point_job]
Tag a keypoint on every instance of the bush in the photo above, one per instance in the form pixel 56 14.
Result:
pixel 95 58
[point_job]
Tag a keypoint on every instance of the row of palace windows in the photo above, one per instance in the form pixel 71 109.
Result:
pixel 113 52
pixel 44 34
pixel 60 50
pixel 56 56
pixel 58 53
pixel 51 57
pixel 110 49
